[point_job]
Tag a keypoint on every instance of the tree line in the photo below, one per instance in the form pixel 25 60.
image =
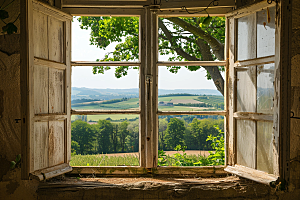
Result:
pixel 111 137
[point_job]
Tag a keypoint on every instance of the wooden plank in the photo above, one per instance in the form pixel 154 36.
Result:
pixel 68 87
pixel 191 63
pixel 246 143
pixel 56 39
pixel 191 113
pixel 105 11
pixel 41 91
pixel 56 91
pixel 142 90
pixel 49 117
pixel 40 34
pixel 99 3
pixel 231 147
pixel 24 85
pixel 49 10
pixel 49 63
pixel 41 145
pixel 206 171
pixel 56 137
pixel 253 116
pixel 101 112
pixel 51 172
pixel 226 92
pixel 154 107
pixel 88 63
pixel 194 3
pixel 255 61
pixel 246 10
pixel 178 12
pixel 255 175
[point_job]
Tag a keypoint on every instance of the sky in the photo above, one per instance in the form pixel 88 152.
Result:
pixel 83 77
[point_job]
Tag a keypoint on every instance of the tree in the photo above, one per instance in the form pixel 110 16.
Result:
pixel 84 135
pixel 174 134
pixel 186 38
pixel 163 124
pixel 123 134
pixel 132 139
pixel 114 138
pixel 104 130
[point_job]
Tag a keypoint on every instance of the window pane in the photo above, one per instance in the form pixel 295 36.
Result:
pixel 105 38
pixel 177 43
pixel 246 143
pixel 187 91
pixel 105 91
pixel 246 89
pixel 192 133
pixel 266 33
pixel 265 146
pixel 265 88
pixel 105 140
pixel 246 37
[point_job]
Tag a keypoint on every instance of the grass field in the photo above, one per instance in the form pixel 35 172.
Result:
pixel 123 159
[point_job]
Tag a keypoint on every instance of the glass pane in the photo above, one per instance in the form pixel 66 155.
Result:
pixel 266 33
pixel 265 88
pixel 187 90
pixel 105 140
pixel 184 140
pixel 100 38
pixel 246 37
pixel 177 43
pixel 105 91
pixel 265 147
pixel 246 89
pixel 246 143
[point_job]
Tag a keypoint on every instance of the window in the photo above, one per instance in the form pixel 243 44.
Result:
pixel 249 109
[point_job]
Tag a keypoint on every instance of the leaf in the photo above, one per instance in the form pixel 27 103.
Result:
pixel 12 164
pixel 10 28
pixel 207 20
pixel 3 14
pixel 18 158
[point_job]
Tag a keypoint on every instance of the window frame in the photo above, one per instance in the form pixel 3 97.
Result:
pixel 150 74
pixel 234 64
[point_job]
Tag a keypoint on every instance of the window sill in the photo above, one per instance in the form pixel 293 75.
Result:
pixel 206 171
pixel 252 174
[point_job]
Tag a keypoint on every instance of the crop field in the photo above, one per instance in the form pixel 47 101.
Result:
pixel 133 103
pixel 122 159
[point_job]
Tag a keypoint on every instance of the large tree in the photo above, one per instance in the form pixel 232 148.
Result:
pixel 174 134
pixel 104 130
pixel 182 38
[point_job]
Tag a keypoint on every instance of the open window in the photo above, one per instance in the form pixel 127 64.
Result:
pixel 45 86
pixel 252 144
pixel 250 112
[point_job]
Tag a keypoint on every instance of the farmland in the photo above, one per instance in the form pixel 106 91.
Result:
pixel 166 103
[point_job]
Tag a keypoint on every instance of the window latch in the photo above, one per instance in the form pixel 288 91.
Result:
pixel 149 79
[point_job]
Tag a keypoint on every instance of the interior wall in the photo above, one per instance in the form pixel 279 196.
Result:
pixel 295 99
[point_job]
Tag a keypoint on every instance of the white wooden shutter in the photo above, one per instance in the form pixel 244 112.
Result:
pixel 252 144
pixel 45 90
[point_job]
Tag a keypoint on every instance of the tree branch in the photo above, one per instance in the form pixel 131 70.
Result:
pixel 206 55
pixel 216 45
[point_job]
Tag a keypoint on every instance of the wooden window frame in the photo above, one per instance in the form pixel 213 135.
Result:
pixel 280 132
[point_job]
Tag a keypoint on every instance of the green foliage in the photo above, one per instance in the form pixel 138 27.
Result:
pixel 105 30
pixel 218 156
pixel 174 133
pixel 84 134
pixel 74 147
pixel 16 163
pixel 104 129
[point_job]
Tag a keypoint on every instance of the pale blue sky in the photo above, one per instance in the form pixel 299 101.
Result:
pixel 83 76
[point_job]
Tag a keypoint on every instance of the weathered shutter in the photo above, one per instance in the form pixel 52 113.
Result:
pixel 46 90
pixel 252 143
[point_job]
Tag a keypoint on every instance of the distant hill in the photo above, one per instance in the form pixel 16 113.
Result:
pixel 108 94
